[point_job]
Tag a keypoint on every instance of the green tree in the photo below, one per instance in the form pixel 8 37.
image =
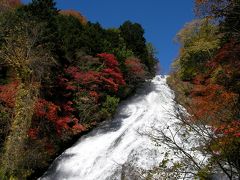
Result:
pixel 69 32
pixel 133 34
pixel 231 24
pixel 29 63
pixel 42 9
pixel 109 106
pixel 199 41
pixel 44 12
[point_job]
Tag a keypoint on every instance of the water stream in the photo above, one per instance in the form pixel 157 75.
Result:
pixel 108 152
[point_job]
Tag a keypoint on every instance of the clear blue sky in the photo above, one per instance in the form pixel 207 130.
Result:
pixel 161 19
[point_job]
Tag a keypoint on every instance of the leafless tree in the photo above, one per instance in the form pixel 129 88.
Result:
pixel 188 141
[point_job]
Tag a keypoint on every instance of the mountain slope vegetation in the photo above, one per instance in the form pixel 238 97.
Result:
pixel 60 75
pixel 206 79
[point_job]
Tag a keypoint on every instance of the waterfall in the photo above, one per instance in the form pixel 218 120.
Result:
pixel 111 150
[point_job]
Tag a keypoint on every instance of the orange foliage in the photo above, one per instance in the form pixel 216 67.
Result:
pixel 212 93
pixel 95 95
pixel 78 128
pixel 199 79
pixel 6 4
pixel 68 107
pixel 109 59
pixel 200 1
pixel 111 75
pixel 8 93
pixel 84 78
pixel 75 14
pixel 14 3
pixel 33 133
pixel 210 100
pixel 134 66
pixel 228 55
pixel 48 110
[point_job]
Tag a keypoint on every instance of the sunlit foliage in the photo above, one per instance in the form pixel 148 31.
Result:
pixel 208 63
pixel 61 75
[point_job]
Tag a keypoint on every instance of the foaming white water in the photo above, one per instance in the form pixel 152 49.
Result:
pixel 102 154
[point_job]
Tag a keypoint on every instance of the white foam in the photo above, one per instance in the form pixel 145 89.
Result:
pixel 99 156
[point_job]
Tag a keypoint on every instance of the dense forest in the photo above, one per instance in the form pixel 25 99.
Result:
pixel 60 75
pixel 206 80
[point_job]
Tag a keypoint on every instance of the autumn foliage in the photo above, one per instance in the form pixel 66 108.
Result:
pixel 61 75
pixel 136 69
pixel 8 93
pixel 212 85
pixel 75 14
pixel 50 112
pixel 111 74
pixel 109 77
pixel 9 4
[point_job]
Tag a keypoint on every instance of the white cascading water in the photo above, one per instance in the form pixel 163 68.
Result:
pixel 103 153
